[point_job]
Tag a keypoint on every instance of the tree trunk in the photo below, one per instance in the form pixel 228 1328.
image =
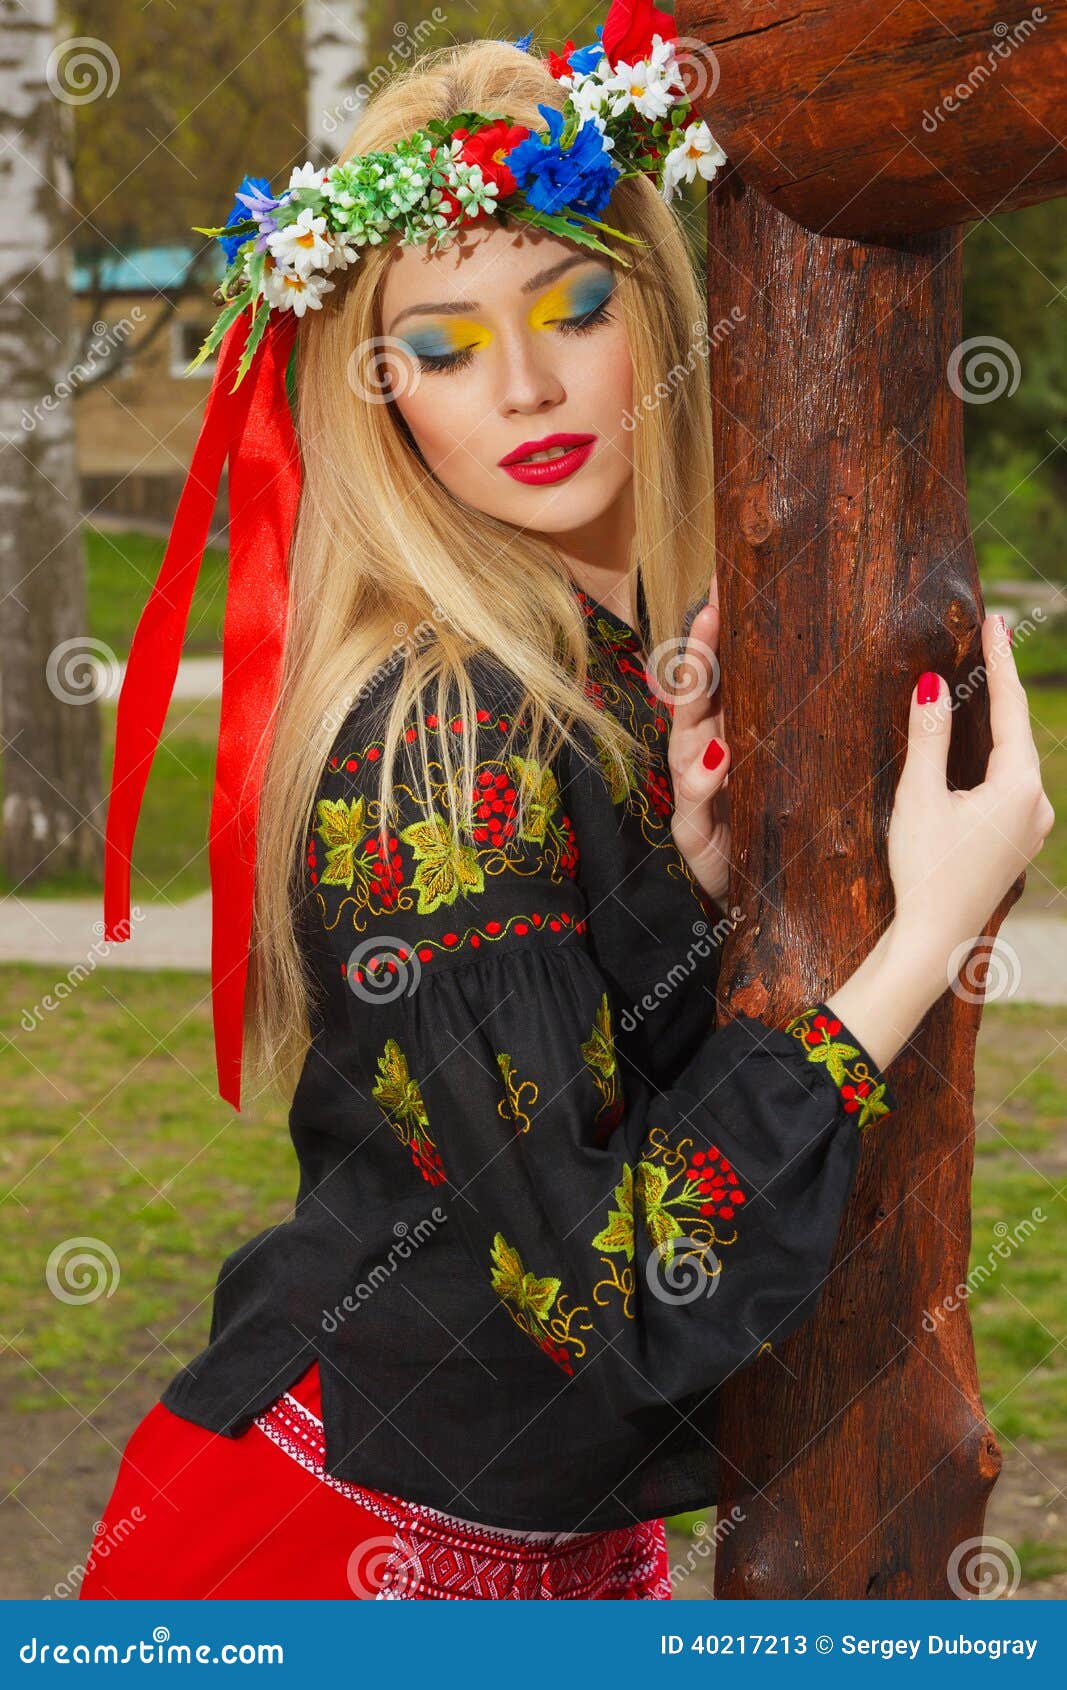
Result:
pixel 857 1450
pixel 51 673
pixel 335 50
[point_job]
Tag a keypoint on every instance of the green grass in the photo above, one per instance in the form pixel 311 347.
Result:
pixel 122 567
pixel 170 856
pixel 113 1131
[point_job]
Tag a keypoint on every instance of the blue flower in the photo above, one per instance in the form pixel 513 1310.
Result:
pixel 586 59
pixel 524 42
pixel 556 179
pixel 254 199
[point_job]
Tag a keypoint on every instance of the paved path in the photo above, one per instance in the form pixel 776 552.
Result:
pixel 1029 964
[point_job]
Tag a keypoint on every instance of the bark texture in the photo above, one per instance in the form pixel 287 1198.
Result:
pixel 857 1451
pixel 881 121
pixel 51 673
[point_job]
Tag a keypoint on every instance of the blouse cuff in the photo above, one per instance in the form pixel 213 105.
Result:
pixel 864 1091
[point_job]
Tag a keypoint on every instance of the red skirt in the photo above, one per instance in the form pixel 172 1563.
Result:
pixel 197 1514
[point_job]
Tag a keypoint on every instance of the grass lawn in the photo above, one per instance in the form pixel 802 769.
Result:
pixel 170 859
pixel 109 1139
pixel 122 567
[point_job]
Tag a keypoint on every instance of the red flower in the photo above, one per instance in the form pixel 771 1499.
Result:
pixel 629 28
pixel 557 62
pixel 487 148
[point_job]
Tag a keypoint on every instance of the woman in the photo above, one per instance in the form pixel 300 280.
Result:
pixel 545 1209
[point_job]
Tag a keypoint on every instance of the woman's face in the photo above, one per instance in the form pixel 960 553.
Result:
pixel 498 343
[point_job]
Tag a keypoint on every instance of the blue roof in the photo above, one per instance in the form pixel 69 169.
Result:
pixel 146 269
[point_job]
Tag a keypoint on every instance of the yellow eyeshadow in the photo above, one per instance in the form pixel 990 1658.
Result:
pixel 450 335
pixel 575 297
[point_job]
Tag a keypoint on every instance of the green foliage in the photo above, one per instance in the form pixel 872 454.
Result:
pixel 206 94
pixel 1015 268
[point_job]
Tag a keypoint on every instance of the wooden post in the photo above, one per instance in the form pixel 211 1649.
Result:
pixel 857 1452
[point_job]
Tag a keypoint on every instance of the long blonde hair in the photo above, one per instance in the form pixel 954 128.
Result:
pixel 389 570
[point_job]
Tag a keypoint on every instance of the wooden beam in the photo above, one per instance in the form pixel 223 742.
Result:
pixel 880 121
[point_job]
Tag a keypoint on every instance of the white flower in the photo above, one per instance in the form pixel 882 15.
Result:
pixel 341 254
pixel 290 291
pixel 664 58
pixel 696 150
pixel 588 96
pixel 647 87
pixel 302 246
pixel 307 176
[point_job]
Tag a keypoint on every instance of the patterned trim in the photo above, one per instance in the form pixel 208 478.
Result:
pixel 863 1088
pixel 441 1557
pixel 522 925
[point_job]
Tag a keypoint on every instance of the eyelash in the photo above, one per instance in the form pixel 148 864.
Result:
pixel 590 320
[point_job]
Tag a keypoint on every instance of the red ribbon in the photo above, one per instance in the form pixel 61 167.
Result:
pixel 253 428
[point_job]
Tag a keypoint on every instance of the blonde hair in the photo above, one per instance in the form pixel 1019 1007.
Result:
pixel 382 552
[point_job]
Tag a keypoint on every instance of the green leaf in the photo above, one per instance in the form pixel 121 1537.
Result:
pixel 218 330
pixel 255 335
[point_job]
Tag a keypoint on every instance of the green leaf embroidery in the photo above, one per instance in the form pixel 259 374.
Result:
pixel 598 1051
pixel 343 828
pixel 542 796
pixel 650 1190
pixel 618 1234
pixel 444 871
pixel 510 1279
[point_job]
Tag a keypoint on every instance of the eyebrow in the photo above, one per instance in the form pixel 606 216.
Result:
pixel 455 307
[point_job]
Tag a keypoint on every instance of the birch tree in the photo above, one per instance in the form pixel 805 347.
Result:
pixel 51 675
pixel 335 52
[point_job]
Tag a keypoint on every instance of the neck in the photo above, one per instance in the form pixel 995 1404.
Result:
pixel 598 555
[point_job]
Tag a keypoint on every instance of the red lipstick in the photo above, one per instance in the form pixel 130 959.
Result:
pixel 577 448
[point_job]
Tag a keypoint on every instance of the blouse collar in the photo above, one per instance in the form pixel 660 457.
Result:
pixel 593 608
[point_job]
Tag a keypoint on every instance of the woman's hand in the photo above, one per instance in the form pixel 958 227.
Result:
pixel 700 824
pixel 953 855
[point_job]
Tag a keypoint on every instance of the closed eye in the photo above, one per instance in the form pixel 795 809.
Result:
pixel 585 323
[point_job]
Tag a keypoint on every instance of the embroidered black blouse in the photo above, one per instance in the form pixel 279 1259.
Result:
pixel 545 1208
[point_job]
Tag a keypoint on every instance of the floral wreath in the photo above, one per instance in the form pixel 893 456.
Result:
pixel 626 114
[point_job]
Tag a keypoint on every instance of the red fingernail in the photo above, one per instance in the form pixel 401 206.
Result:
pixel 929 687
pixel 713 755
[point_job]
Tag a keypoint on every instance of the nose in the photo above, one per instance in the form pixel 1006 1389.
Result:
pixel 531 383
